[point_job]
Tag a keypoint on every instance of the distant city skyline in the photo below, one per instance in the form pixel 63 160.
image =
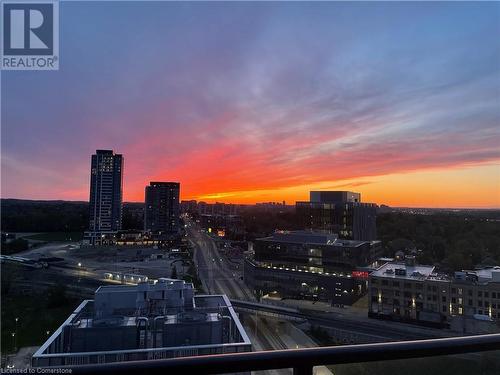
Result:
pixel 256 102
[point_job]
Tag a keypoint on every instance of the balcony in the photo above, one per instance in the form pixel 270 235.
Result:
pixel 302 361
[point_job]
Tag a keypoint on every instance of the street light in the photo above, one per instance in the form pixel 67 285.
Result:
pixel 14 341
pixel 15 334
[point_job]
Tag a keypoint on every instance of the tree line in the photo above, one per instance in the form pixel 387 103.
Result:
pixel 452 240
pixel 58 216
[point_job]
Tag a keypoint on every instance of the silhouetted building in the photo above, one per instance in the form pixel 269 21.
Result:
pixel 105 206
pixel 190 207
pixel 161 214
pixel 334 197
pixel 339 212
pixel 313 265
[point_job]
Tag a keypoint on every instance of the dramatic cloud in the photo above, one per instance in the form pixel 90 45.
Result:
pixel 230 98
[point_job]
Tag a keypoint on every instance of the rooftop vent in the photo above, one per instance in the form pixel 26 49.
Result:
pixel 400 271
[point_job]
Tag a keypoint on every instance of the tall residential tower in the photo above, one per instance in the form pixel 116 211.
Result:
pixel 106 182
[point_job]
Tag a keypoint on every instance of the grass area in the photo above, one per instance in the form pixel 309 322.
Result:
pixel 35 319
pixel 56 236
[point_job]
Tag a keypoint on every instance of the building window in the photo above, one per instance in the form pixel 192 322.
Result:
pixel 443 299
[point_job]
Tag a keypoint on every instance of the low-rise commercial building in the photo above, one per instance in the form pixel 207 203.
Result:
pixel 416 293
pixel 151 320
pixel 312 265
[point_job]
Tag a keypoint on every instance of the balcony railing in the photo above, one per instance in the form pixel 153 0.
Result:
pixel 301 360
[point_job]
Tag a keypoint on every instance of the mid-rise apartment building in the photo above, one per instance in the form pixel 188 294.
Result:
pixel 161 213
pixel 416 293
pixel 339 212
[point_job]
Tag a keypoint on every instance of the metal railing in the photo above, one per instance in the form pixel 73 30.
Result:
pixel 301 360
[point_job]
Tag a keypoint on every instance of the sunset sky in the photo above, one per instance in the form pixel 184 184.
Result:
pixel 252 102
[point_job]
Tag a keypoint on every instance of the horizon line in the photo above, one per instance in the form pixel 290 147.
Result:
pixel 255 203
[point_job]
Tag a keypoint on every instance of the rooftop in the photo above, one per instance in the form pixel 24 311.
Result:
pixel 149 320
pixel 312 238
pixel 403 270
pixel 481 276
pixel 400 270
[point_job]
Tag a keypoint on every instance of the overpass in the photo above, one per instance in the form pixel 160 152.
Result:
pixel 279 312
pixel 363 330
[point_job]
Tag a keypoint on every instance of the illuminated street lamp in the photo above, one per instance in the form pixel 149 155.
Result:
pixel 79 271
pixel 15 334
pixel 14 341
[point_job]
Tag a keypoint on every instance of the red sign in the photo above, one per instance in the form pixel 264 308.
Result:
pixel 360 274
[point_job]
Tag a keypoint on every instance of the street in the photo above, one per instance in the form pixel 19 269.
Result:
pixel 217 274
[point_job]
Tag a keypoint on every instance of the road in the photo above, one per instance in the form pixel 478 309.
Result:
pixel 217 274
